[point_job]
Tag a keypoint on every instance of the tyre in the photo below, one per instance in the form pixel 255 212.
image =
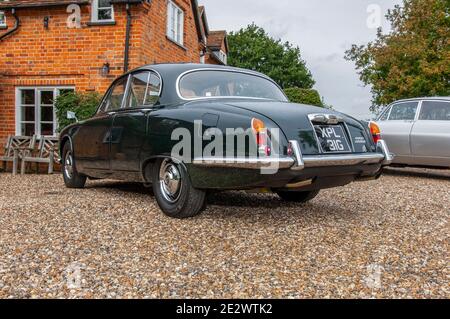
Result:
pixel 298 197
pixel 72 178
pixel 174 192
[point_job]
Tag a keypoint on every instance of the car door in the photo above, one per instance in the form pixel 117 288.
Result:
pixel 129 127
pixel 430 136
pixel 92 141
pixel 396 130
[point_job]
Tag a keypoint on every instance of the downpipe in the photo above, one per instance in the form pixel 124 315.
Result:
pixel 15 28
pixel 127 40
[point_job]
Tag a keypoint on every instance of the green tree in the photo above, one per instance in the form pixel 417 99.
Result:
pixel 304 96
pixel 252 48
pixel 83 104
pixel 413 59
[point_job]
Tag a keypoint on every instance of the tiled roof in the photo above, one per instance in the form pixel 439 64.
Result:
pixel 35 3
pixel 216 38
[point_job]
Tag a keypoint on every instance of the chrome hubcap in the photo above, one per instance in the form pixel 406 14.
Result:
pixel 170 181
pixel 68 165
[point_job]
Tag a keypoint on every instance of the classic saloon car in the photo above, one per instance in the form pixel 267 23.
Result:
pixel 418 131
pixel 261 141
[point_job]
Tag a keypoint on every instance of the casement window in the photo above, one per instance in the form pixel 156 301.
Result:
pixel 35 110
pixel 175 23
pixel 221 56
pixel 2 19
pixel 102 11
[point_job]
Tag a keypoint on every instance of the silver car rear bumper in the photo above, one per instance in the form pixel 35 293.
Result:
pixel 299 162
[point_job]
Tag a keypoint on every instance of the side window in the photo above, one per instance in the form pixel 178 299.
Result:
pixel 435 111
pixel 404 111
pixel 384 116
pixel 144 89
pixel 115 95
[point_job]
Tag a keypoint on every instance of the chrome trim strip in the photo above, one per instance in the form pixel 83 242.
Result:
pixel 244 163
pixel 325 118
pixel 342 160
pixel 299 163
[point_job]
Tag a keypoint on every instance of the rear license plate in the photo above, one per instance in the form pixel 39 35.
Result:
pixel 332 139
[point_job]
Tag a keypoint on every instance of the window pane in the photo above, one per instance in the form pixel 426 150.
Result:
pixel 104 3
pixel 65 91
pixel 138 88
pixel 153 90
pixel 117 94
pixel 46 129
pixel 385 115
pixel 27 97
pixel 2 18
pixel 47 114
pixel 104 14
pixel 27 129
pixel 404 111
pixel 228 84
pixel 435 111
pixel 27 114
pixel 47 97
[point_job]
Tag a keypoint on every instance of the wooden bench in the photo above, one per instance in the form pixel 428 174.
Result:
pixel 15 148
pixel 47 154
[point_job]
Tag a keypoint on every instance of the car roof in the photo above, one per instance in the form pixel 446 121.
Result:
pixel 179 68
pixel 425 98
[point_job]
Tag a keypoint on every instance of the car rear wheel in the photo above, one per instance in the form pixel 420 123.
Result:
pixel 72 178
pixel 174 192
pixel 298 197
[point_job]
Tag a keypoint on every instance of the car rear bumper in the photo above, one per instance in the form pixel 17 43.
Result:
pixel 299 162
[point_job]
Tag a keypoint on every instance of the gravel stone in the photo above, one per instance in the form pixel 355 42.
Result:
pixel 378 239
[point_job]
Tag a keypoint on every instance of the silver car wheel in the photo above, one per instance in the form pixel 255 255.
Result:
pixel 68 165
pixel 170 181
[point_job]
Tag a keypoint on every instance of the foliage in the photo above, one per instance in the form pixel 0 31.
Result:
pixel 252 48
pixel 413 59
pixel 304 96
pixel 83 104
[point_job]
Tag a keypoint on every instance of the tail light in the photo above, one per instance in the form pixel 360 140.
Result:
pixel 375 131
pixel 262 137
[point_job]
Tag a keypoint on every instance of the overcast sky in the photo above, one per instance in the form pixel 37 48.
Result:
pixel 323 29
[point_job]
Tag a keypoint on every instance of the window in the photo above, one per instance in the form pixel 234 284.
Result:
pixel 404 111
pixel 102 11
pixel 144 89
pixel 215 83
pixel 435 111
pixel 35 111
pixel 175 23
pixel 2 19
pixel 221 56
pixel 384 116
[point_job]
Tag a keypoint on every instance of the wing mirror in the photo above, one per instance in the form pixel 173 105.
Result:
pixel 72 116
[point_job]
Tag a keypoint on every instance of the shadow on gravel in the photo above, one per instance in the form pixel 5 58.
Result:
pixel 418 172
pixel 120 186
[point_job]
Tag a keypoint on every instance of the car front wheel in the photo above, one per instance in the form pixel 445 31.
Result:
pixel 174 192
pixel 298 197
pixel 72 178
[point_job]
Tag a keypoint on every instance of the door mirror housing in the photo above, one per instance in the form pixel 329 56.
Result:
pixel 71 116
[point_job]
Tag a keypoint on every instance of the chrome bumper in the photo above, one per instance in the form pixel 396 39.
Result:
pixel 299 161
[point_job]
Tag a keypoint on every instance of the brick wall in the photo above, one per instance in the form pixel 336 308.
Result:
pixel 58 56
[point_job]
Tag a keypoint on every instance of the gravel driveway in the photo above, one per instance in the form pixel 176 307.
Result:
pixel 386 238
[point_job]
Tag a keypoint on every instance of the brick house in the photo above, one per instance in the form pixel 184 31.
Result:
pixel 50 46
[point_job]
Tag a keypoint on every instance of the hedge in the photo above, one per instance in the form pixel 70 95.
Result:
pixel 83 104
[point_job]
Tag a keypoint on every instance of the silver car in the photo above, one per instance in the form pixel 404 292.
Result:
pixel 417 131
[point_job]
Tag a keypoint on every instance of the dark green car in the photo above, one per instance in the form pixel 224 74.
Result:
pixel 187 129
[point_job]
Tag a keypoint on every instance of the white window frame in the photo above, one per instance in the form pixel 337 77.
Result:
pixel 175 23
pixel 3 24
pixel 95 10
pixel 37 110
